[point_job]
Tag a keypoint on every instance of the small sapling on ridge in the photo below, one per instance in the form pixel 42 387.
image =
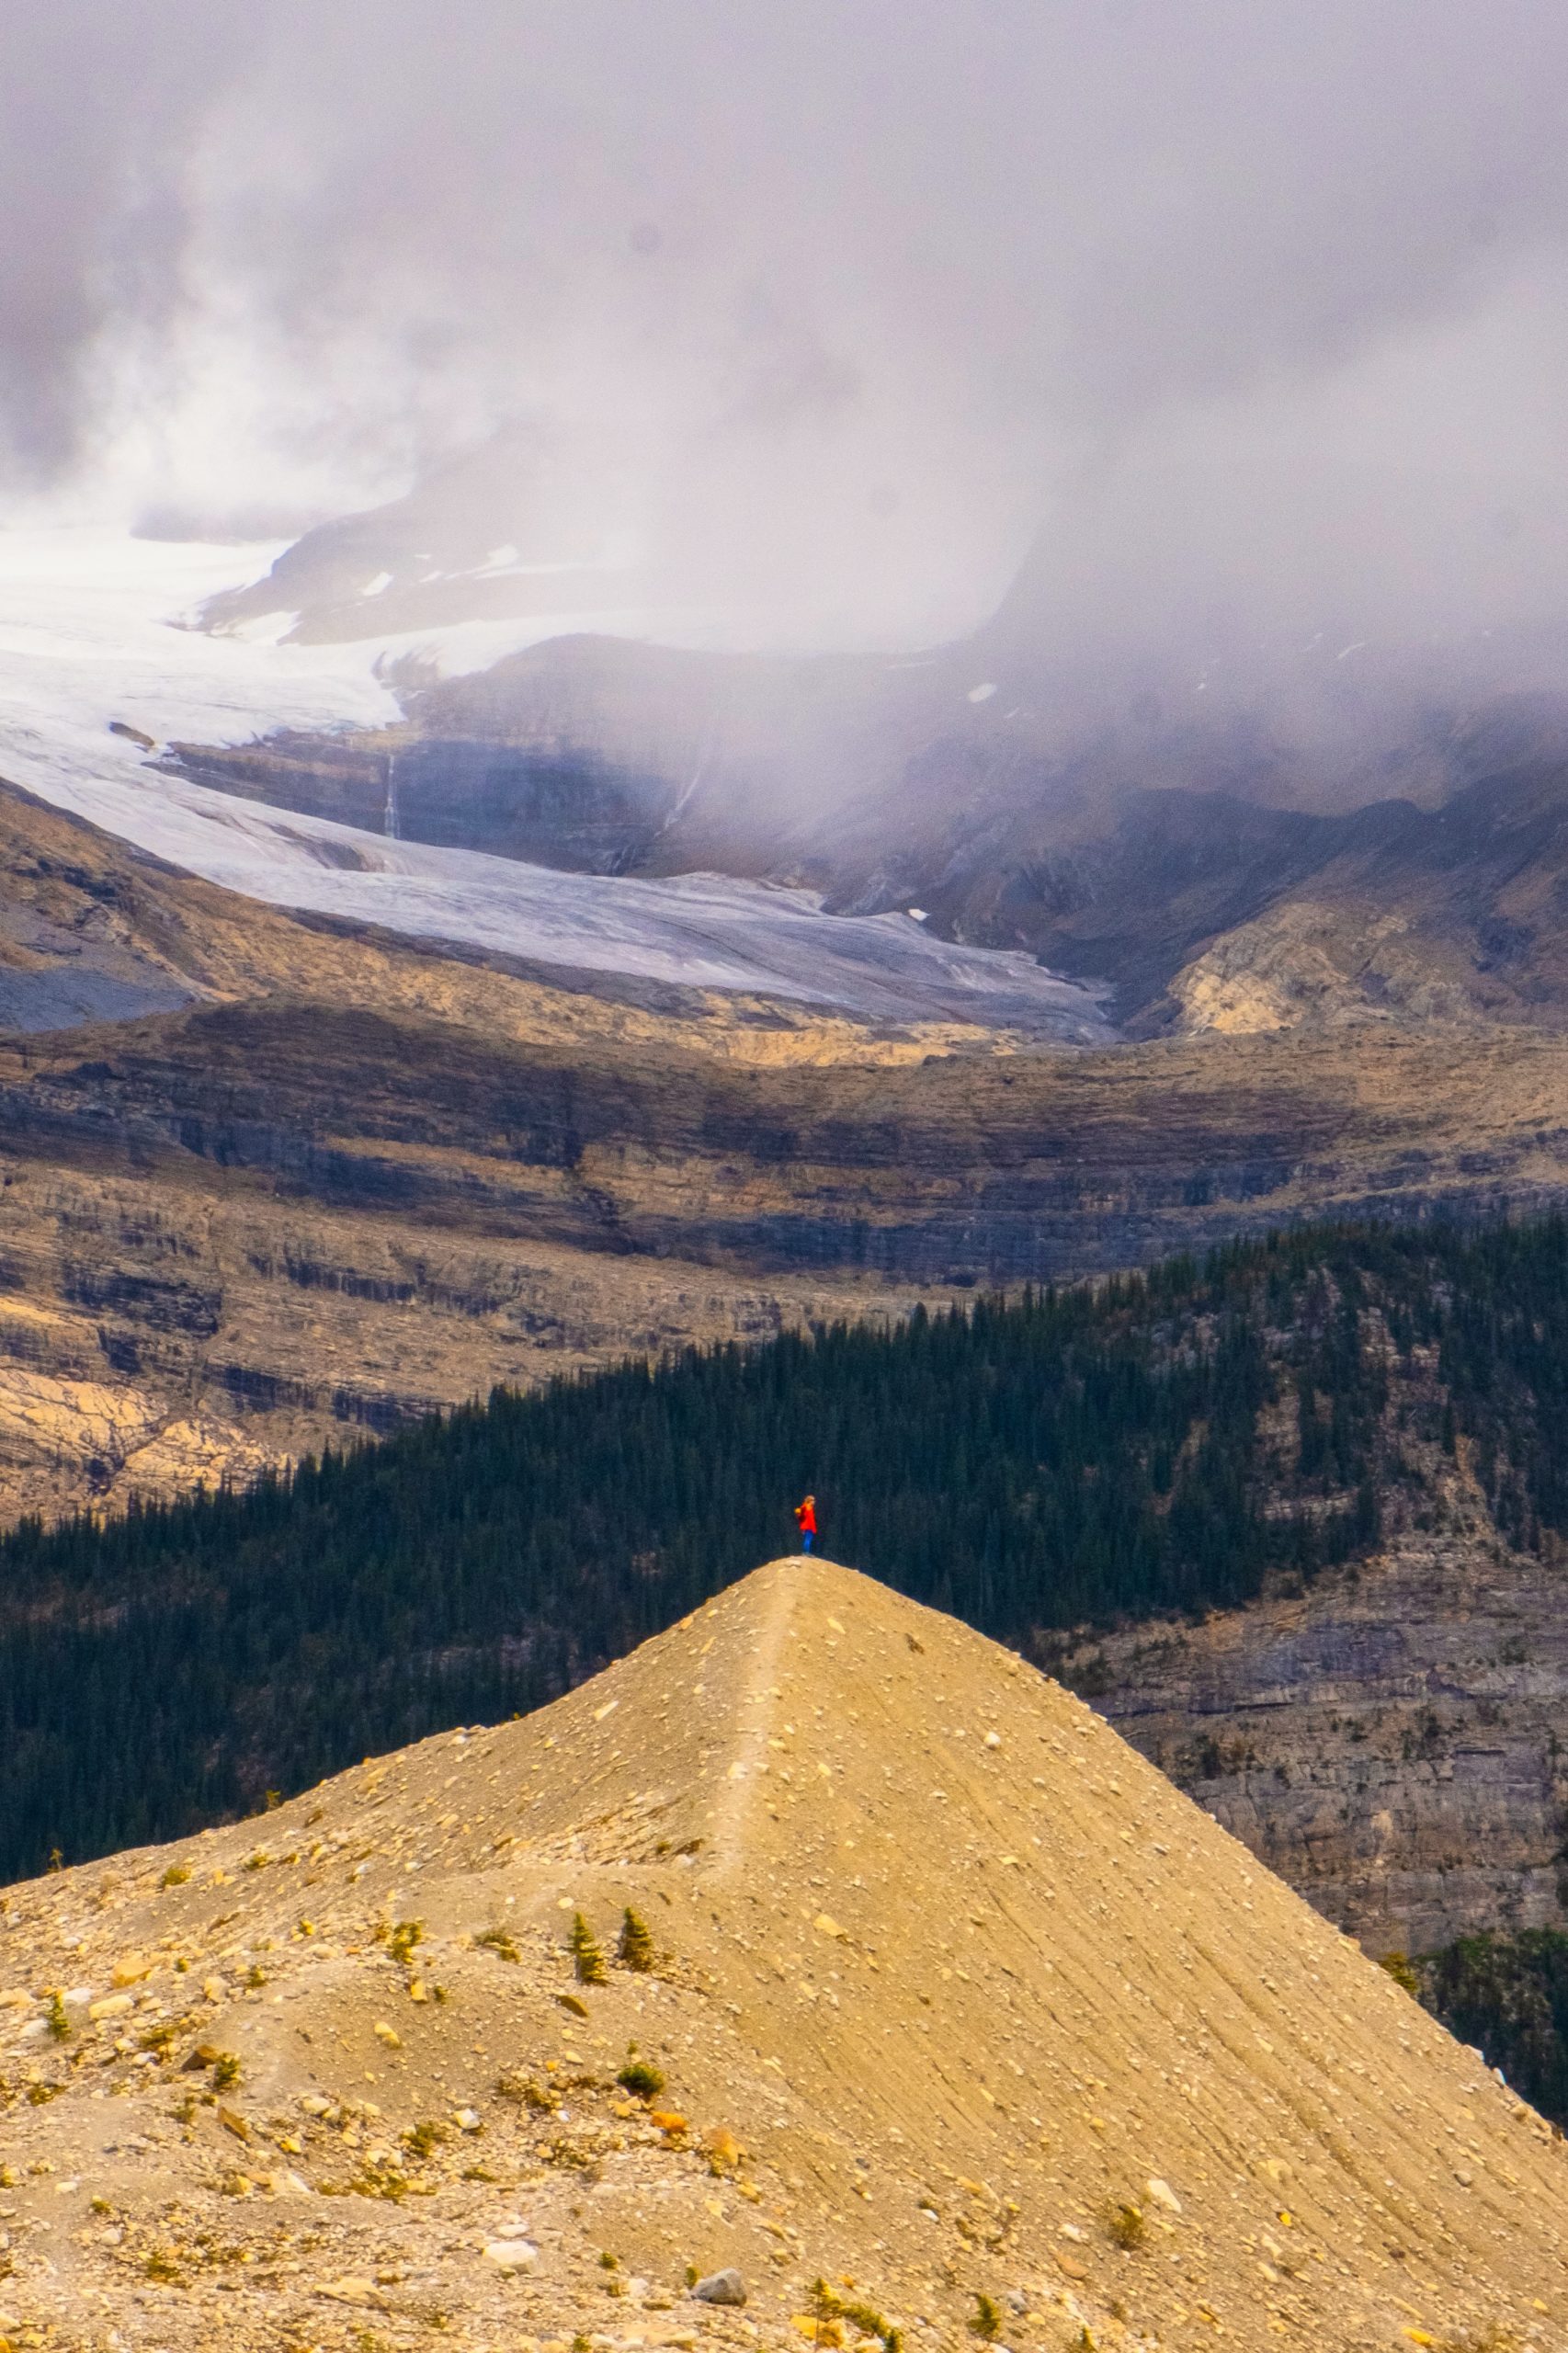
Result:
pixel 587 1959
pixel 635 1949
pixel 640 2076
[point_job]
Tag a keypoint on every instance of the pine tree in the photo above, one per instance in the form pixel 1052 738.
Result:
pixel 635 1949
pixel 586 1958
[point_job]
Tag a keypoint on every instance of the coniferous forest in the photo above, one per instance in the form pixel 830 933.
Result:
pixel 1153 1443
pixel 1507 1997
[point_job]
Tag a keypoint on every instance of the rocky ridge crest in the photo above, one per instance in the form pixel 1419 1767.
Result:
pixel 819 1940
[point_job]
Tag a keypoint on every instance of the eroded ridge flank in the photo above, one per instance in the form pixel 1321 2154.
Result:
pixel 955 2006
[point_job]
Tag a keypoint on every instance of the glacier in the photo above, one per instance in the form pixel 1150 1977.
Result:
pixel 96 634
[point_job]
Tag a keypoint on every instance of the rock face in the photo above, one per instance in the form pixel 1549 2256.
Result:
pixel 952 1998
pixel 1391 1743
pixel 159 1336
pixel 576 811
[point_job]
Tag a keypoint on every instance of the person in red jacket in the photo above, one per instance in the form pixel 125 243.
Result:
pixel 806 1521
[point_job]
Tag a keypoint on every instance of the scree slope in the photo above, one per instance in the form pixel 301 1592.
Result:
pixel 954 2005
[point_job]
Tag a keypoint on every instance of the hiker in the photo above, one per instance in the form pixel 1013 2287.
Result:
pixel 806 1521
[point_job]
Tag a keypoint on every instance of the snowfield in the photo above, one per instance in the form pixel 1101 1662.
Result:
pixel 90 638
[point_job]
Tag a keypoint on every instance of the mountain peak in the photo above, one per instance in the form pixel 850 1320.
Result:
pixel 953 1997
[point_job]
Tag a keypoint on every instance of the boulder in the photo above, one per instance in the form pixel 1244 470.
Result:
pixel 511 2254
pixel 721 2288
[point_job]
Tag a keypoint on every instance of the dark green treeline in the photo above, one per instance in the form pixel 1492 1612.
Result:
pixel 1508 1997
pixel 1154 1443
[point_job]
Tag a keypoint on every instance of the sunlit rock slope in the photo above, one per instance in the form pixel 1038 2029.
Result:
pixel 949 1996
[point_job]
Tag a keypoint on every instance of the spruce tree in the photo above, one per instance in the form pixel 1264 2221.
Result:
pixel 635 1949
pixel 587 1959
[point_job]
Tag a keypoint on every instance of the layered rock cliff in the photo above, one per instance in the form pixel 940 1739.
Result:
pixel 195 1284
pixel 347 1179
pixel 1390 1741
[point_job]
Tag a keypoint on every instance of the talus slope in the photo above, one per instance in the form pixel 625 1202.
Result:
pixel 958 1998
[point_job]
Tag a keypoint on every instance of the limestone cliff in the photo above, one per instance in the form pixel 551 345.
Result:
pixel 1391 1741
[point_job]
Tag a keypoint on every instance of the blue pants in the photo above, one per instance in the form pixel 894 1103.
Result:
pixel 806 1540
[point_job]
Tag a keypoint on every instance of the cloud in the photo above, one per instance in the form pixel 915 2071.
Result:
pixel 848 302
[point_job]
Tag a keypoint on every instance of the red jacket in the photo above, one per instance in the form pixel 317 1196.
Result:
pixel 806 1519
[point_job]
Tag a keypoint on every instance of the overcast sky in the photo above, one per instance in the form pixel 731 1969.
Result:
pixel 1220 300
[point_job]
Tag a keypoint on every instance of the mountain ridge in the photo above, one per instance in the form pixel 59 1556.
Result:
pixel 347 1177
pixel 1188 1441
pixel 1075 2055
pixel 1196 899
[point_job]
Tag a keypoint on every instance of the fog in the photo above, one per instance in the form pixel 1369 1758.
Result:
pixel 1230 320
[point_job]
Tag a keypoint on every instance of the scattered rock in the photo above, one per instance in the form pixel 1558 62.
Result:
pixel 349 2290
pixel 511 2254
pixel 721 2288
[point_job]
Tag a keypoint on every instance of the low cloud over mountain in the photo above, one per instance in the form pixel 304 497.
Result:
pixel 1251 326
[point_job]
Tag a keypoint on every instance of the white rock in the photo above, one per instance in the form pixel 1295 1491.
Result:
pixel 349 2290
pixel 511 2254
